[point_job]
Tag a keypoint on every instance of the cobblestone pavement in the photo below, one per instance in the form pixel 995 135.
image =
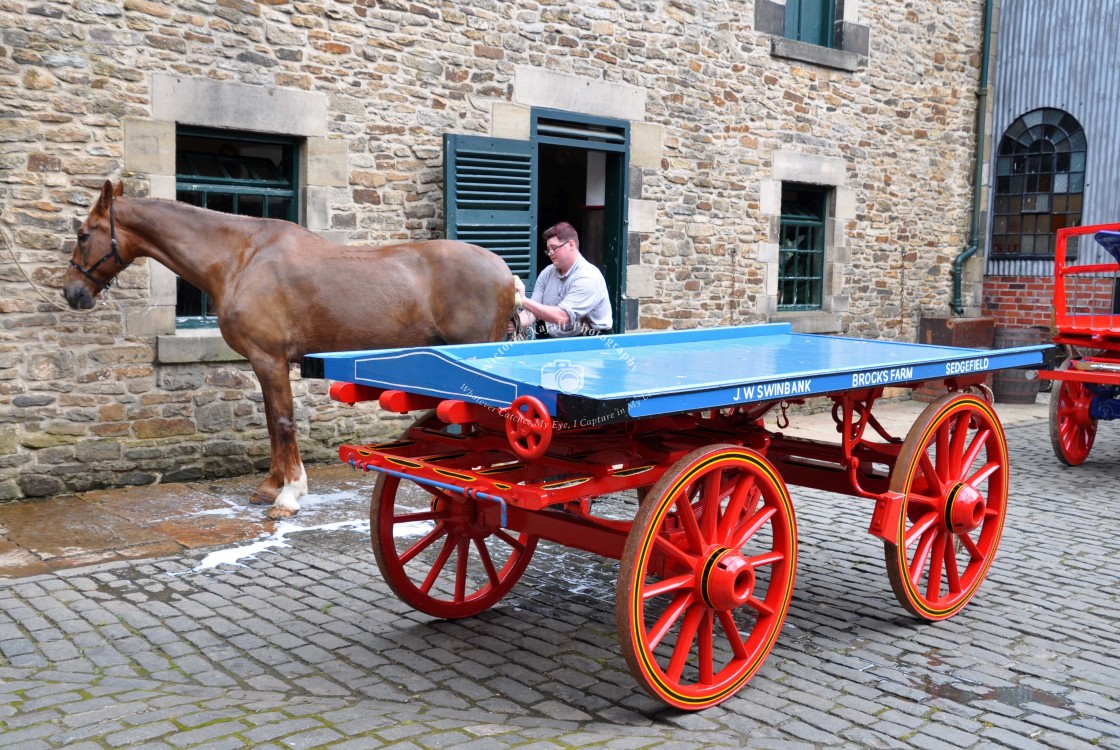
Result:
pixel 304 646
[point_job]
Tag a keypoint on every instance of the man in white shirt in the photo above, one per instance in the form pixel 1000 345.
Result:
pixel 570 297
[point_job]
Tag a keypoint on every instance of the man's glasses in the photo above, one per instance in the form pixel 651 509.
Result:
pixel 553 250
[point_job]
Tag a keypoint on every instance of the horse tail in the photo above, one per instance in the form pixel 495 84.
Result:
pixel 481 295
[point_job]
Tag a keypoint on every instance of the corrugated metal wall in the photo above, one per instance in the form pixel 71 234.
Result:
pixel 1063 54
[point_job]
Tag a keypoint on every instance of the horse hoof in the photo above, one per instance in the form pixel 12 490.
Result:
pixel 259 498
pixel 276 514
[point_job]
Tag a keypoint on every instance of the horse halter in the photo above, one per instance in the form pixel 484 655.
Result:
pixel 113 253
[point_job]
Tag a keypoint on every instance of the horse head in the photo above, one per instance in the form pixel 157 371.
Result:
pixel 96 260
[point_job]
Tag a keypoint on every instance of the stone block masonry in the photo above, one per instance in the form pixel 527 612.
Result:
pixel 720 124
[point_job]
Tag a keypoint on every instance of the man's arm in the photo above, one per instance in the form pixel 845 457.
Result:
pixel 538 311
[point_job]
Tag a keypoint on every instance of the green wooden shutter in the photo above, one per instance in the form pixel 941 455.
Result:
pixel 490 198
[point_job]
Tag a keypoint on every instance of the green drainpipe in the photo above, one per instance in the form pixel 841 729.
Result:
pixel 981 120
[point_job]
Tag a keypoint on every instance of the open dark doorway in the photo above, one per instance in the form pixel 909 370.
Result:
pixel 564 197
pixel 585 187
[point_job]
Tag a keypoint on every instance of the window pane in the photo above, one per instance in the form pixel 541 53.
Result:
pixel 250 205
pixel 1043 191
pixel 280 208
pixel 227 172
pixel 801 248
pixel 235 169
pixel 206 166
pixel 220 202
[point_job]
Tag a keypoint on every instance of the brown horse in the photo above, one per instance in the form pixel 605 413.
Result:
pixel 282 292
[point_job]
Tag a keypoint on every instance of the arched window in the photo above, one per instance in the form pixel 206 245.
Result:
pixel 1040 176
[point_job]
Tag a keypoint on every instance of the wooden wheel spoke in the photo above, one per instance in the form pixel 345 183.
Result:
pixel 736 506
pixel 952 575
pixel 462 549
pixel 936 562
pixel 760 606
pixel 449 545
pixel 941 443
pixel 959 436
pixel 927 500
pixel 919 528
pixel 688 523
pixel 669 585
pixel 982 474
pixel 487 563
pixel 929 472
pixel 668 618
pixel 921 554
pixel 423 543
pixel 704 651
pixel 973 452
pixel 766 558
pixel 508 539
pixel 665 546
pixel 751 527
pixel 973 550
pixel 731 631
pixel 683 647
pixel 424 515
pixel 709 513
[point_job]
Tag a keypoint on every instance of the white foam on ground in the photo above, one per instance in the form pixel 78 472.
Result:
pixel 275 540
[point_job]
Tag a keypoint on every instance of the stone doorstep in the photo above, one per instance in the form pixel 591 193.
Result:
pixel 66 531
pixel 16 562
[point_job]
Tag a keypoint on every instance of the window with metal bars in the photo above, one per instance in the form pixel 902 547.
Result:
pixel 1040 178
pixel 801 248
pixel 234 173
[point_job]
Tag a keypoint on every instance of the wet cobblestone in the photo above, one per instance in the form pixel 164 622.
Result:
pixel 304 646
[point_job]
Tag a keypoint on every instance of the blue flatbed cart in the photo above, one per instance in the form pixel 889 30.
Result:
pixel 525 438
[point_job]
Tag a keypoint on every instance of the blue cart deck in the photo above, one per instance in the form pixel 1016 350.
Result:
pixel 611 378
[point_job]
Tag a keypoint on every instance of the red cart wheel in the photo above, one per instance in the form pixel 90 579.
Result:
pixel 437 554
pixel 528 427
pixel 952 474
pixel 706 576
pixel 1072 430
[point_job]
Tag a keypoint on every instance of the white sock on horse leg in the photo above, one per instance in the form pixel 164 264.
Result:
pixel 291 492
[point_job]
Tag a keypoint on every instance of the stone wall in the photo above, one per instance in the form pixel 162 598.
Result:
pixel 722 117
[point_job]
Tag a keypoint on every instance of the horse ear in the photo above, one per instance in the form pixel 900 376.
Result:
pixel 118 191
pixel 106 196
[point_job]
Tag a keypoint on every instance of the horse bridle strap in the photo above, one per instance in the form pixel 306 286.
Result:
pixel 113 253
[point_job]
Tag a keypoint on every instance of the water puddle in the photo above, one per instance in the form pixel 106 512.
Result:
pixel 1012 695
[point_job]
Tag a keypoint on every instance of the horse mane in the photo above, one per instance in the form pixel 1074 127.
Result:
pixel 164 204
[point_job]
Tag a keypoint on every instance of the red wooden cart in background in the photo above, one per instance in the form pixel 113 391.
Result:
pixel 1087 324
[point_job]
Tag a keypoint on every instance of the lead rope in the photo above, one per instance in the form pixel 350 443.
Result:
pixel 15 259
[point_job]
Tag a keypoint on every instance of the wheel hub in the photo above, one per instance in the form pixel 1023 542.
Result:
pixel 964 508
pixel 727 579
pixel 1083 410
